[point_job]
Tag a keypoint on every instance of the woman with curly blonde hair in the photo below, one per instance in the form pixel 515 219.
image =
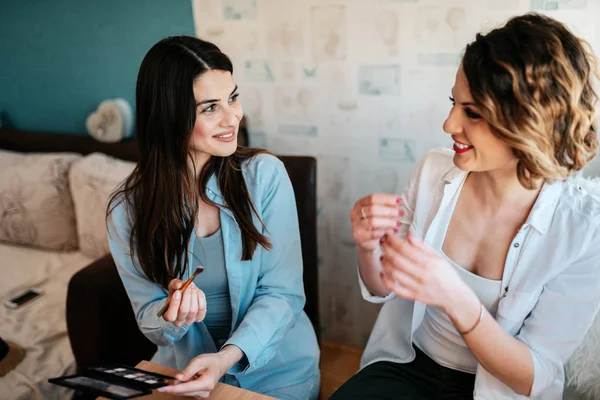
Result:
pixel 489 261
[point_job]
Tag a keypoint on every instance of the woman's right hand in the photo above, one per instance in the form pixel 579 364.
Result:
pixel 187 308
pixel 374 216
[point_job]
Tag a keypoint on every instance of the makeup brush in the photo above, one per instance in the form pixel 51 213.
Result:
pixel 187 283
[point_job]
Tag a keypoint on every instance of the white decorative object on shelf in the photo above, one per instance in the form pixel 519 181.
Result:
pixel 111 122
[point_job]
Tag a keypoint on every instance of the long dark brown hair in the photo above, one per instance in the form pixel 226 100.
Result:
pixel 161 194
pixel 534 82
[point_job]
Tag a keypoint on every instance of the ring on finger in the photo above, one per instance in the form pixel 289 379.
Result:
pixel 363 214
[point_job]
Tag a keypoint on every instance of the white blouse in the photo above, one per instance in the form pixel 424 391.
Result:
pixel 550 284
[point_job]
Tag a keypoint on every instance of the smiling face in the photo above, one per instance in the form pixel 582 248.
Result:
pixel 476 146
pixel 218 115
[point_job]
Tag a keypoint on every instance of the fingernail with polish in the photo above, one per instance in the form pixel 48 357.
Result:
pixel 396 230
pixel 398 223
pixel 399 200
pixel 401 213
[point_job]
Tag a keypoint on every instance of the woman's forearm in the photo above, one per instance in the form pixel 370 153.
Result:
pixel 502 355
pixel 369 267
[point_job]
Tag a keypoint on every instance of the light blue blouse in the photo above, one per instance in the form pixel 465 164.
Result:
pixel 267 292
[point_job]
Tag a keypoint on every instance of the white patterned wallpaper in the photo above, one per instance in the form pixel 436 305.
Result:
pixel 363 86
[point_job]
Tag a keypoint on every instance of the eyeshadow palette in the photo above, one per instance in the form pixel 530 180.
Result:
pixel 114 381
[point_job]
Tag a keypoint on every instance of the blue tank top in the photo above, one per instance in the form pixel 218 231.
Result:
pixel 209 252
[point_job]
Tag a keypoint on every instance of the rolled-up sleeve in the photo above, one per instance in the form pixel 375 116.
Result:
pixel 279 296
pixel 146 297
pixel 563 314
pixel 371 298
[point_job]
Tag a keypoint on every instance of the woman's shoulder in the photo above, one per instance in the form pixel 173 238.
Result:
pixel 580 198
pixel 118 217
pixel 263 162
pixel 437 164
pixel 262 168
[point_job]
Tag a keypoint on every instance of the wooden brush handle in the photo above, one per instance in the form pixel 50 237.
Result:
pixel 187 283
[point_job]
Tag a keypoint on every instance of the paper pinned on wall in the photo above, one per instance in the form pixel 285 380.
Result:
pixel 378 80
pixel 297 104
pixel 239 9
pixel 443 29
pixel 203 11
pixel 284 28
pixel 552 5
pixel 328 32
pixel 375 33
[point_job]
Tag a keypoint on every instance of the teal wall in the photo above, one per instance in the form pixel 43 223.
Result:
pixel 59 59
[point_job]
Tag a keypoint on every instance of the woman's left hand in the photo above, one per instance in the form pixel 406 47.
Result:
pixel 415 271
pixel 199 378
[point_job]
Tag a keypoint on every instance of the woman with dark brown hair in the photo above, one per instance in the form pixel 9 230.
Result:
pixel 489 261
pixel 196 198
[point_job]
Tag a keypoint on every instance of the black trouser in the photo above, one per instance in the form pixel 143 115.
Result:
pixel 420 379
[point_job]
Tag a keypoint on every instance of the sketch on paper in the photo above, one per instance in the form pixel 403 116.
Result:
pixel 284 37
pixel 551 5
pixel 239 9
pixel 287 71
pixel 328 32
pixel 377 80
pixel 258 72
pixel 387 23
pixel 439 28
pixel 298 130
pixel 204 11
pixel 396 149
pixel 296 104
pixel 309 72
pixel 333 76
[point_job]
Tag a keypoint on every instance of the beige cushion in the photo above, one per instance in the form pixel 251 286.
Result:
pixel 93 179
pixel 35 202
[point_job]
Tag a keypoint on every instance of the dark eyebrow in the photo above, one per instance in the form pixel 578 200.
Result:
pixel 216 100
pixel 466 103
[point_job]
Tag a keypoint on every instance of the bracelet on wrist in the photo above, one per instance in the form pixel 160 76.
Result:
pixel 476 322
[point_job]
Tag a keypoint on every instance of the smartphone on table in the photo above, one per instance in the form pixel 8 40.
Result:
pixel 24 298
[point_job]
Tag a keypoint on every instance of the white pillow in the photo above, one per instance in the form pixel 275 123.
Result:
pixel 35 202
pixel 93 179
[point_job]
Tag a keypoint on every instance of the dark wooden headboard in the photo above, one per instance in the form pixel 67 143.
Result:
pixel 46 142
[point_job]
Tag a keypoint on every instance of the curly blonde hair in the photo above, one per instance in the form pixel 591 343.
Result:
pixel 533 81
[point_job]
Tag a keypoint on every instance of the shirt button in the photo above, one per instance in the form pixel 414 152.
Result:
pixel 516 244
